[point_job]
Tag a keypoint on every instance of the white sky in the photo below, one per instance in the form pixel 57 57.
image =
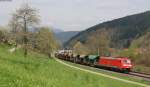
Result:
pixel 75 14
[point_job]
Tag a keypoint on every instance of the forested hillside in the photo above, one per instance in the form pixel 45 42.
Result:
pixel 121 31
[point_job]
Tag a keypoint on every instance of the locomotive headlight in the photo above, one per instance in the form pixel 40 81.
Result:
pixel 127 65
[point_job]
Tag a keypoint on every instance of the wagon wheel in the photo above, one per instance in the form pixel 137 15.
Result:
pixel 95 63
pixel 91 62
pixel 74 60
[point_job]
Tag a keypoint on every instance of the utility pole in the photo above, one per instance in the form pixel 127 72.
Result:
pixel 98 51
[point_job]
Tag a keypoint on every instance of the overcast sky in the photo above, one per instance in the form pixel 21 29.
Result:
pixel 75 14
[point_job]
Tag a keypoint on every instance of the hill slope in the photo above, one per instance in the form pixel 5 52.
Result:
pixel 122 30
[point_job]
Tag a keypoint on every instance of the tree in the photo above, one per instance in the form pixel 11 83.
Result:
pixel 99 42
pixel 46 42
pixel 80 48
pixel 141 47
pixel 16 30
pixel 3 35
pixel 24 18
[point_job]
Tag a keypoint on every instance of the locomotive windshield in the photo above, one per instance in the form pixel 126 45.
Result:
pixel 127 61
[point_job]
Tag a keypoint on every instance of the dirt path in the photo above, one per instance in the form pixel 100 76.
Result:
pixel 104 75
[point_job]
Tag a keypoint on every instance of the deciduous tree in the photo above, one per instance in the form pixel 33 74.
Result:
pixel 46 42
pixel 24 18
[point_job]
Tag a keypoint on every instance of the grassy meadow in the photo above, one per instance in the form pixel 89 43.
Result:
pixel 38 70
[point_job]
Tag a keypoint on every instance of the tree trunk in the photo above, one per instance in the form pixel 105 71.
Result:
pixel 49 55
pixel 25 52
pixel 25 40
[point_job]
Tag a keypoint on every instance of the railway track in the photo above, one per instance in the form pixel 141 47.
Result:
pixel 142 75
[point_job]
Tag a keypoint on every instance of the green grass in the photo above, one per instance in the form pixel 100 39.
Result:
pixel 37 70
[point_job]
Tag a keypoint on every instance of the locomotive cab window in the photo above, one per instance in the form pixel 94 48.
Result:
pixel 127 61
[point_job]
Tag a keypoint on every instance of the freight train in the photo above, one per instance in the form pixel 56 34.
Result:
pixel 122 64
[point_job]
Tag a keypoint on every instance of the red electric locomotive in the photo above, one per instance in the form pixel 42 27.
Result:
pixel 121 63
